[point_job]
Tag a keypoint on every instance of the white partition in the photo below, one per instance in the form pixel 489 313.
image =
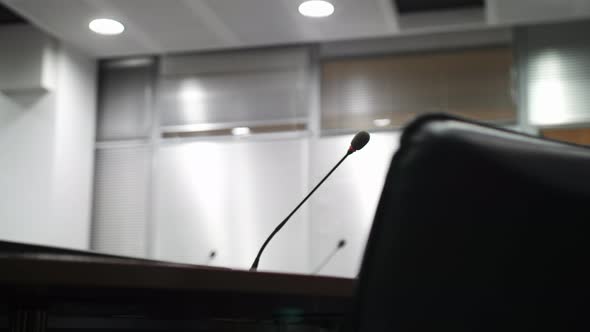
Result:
pixel 228 196
pixel 345 206
pixel 46 145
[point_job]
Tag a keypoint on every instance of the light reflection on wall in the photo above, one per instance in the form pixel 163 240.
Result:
pixel 228 196
pixel 210 202
pixel 547 91
pixel 192 99
pixel 191 211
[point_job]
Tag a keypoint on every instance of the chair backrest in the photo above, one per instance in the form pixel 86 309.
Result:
pixel 478 229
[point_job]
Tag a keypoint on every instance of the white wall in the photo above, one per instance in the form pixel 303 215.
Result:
pixel 46 157
pixel 27 59
pixel 26 166
pixel 73 159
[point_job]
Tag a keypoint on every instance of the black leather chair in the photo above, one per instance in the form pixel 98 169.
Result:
pixel 479 229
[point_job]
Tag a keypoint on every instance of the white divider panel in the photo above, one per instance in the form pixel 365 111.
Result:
pixel 228 196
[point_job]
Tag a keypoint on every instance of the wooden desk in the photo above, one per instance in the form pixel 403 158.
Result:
pixel 58 290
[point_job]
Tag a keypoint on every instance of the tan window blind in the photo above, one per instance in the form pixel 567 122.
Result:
pixel 570 135
pixel 388 91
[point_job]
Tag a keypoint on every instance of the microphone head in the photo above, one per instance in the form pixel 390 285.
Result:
pixel 341 243
pixel 359 141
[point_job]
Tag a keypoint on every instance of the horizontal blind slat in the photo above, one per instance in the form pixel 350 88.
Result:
pixel 121 201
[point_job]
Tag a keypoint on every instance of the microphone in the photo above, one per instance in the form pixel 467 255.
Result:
pixel 358 142
pixel 341 244
pixel 211 257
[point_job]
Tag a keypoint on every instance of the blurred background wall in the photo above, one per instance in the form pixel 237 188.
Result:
pixel 173 155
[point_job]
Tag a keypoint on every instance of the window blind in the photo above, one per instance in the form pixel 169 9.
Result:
pixel 121 201
pixel 208 92
pixel 556 70
pixel 390 90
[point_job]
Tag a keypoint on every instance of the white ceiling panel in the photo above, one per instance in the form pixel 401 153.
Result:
pixel 161 26
pixel 278 21
pixel 165 26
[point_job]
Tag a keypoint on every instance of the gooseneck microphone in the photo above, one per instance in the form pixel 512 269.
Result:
pixel 328 258
pixel 358 142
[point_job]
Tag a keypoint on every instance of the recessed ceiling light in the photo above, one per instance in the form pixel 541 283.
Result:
pixel 316 8
pixel 106 26
pixel 382 122
pixel 240 131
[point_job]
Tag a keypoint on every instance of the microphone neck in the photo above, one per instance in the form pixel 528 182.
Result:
pixel 278 228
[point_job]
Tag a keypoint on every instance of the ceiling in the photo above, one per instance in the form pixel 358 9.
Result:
pixel 164 26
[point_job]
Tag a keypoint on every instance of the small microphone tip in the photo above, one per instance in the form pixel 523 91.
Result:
pixel 359 141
